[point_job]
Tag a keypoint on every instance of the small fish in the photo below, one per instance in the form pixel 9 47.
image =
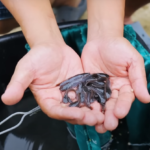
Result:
pixel 88 88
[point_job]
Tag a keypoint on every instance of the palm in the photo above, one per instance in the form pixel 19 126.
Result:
pixel 120 60
pixel 53 69
pixel 43 68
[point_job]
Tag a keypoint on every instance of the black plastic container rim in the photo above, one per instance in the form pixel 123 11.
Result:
pixel 63 25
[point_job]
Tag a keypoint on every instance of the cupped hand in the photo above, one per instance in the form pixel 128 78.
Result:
pixel 120 60
pixel 42 69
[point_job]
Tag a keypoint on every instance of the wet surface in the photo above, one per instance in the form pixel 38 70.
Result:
pixel 37 132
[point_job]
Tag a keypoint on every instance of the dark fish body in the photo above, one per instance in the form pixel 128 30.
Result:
pixel 88 88
pixel 73 82
pixel 72 79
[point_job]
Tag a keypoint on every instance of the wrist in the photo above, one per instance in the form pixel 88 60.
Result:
pixel 105 18
pixel 36 19
pixel 104 29
pixel 46 32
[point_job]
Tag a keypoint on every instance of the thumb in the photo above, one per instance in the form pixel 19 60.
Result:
pixel 138 80
pixel 20 80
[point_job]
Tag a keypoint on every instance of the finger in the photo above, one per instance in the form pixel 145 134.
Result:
pixel 55 110
pixel 137 78
pixel 74 115
pixel 96 106
pixel 124 102
pixel 100 128
pixel 20 80
pixel 50 101
pixel 111 121
pixel 89 117
pixel 51 105
pixel 97 111
pixel 99 116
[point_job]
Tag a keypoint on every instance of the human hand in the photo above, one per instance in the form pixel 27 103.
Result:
pixel 42 68
pixel 120 60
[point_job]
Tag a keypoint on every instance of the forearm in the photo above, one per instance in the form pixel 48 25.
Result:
pixel 105 18
pixel 36 19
